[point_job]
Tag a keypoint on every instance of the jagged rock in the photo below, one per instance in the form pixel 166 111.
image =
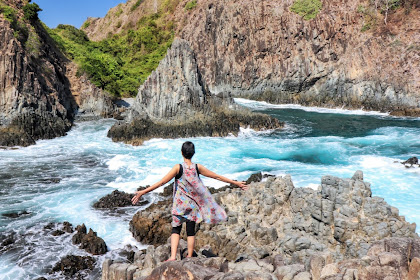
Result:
pixel 117 199
pixel 411 161
pixel 67 227
pixel 273 217
pixel 90 242
pixel 15 215
pixel 256 177
pixel 72 265
pixel 173 102
pixel 153 227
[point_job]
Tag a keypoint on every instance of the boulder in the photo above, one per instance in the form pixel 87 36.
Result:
pixel 72 265
pixel 117 199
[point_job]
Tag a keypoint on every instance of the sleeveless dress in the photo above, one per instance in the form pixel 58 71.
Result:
pixel 193 201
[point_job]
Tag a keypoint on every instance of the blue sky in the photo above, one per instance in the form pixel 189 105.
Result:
pixel 73 12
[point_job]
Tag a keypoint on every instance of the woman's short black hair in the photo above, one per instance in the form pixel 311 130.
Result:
pixel 188 150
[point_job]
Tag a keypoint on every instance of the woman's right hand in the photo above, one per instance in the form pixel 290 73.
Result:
pixel 242 185
pixel 137 197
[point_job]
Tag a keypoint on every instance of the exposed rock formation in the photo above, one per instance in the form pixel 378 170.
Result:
pixel 262 50
pixel 116 199
pixel 273 217
pixel 36 100
pixel 276 231
pixel 92 102
pixel 72 266
pixel 90 241
pixel 391 258
pixel 173 102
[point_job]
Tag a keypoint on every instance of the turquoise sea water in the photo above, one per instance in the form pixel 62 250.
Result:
pixel 59 180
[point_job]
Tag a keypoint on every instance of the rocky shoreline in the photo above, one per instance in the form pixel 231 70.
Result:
pixel 277 231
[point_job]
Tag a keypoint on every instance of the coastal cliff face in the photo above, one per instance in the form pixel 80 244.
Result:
pixel 262 50
pixel 174 102
pixel 346 56
pixel 35 100
pixel 40 93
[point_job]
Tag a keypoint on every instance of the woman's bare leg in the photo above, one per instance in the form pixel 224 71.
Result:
pixel 190 243
pixel 174 245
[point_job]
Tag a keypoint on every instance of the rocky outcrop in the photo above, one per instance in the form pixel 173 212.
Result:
pixel 40 93
pixel 90 242
pixel 340 220
pixel 276 231
pixel 391 258
pixel 35 100
pixel 116 199
pixel 74 266
pixel 92 102
pixel 174 102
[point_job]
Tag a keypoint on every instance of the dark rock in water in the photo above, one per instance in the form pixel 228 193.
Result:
pixel 58 232
pixel 6 240
pixel 256 177
pixel 49 226
pixel 81 231
pixel 93 244
pixel 67 227
pixel 90 242
pixel 41 278
pixel 72 265
pixel 15 215
pixel 117 199
pixel 411 161
pixel 50 180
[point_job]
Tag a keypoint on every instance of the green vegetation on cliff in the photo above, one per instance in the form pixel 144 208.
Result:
pixel 120 63
pixel 308 9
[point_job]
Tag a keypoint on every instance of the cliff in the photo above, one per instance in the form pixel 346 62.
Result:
pixel 174 102
pixel 36 95
pixel 346 56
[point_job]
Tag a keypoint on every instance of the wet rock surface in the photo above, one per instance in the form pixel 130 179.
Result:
pixel 74 267
pixel 90 242
pixel 117 199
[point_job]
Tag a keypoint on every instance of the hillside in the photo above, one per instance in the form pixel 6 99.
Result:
pixel 331 53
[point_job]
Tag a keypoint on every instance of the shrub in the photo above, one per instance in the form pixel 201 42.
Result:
pixel 30 12
pixel 86 24
pixel 308 9
pixel 191 5
pixel 8 12
pixel 136 5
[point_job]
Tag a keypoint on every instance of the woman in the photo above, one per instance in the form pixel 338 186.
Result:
pixel 192 201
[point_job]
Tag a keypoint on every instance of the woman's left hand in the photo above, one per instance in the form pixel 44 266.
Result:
pixel 242 185
pixel 137 197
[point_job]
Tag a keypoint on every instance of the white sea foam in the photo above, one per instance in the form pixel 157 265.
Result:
pixel 261 105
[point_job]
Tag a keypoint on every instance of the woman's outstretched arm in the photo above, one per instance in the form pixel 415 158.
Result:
pixel 205 172
pixel 162 182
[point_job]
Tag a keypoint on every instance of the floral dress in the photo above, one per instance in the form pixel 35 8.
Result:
pixel 193 201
